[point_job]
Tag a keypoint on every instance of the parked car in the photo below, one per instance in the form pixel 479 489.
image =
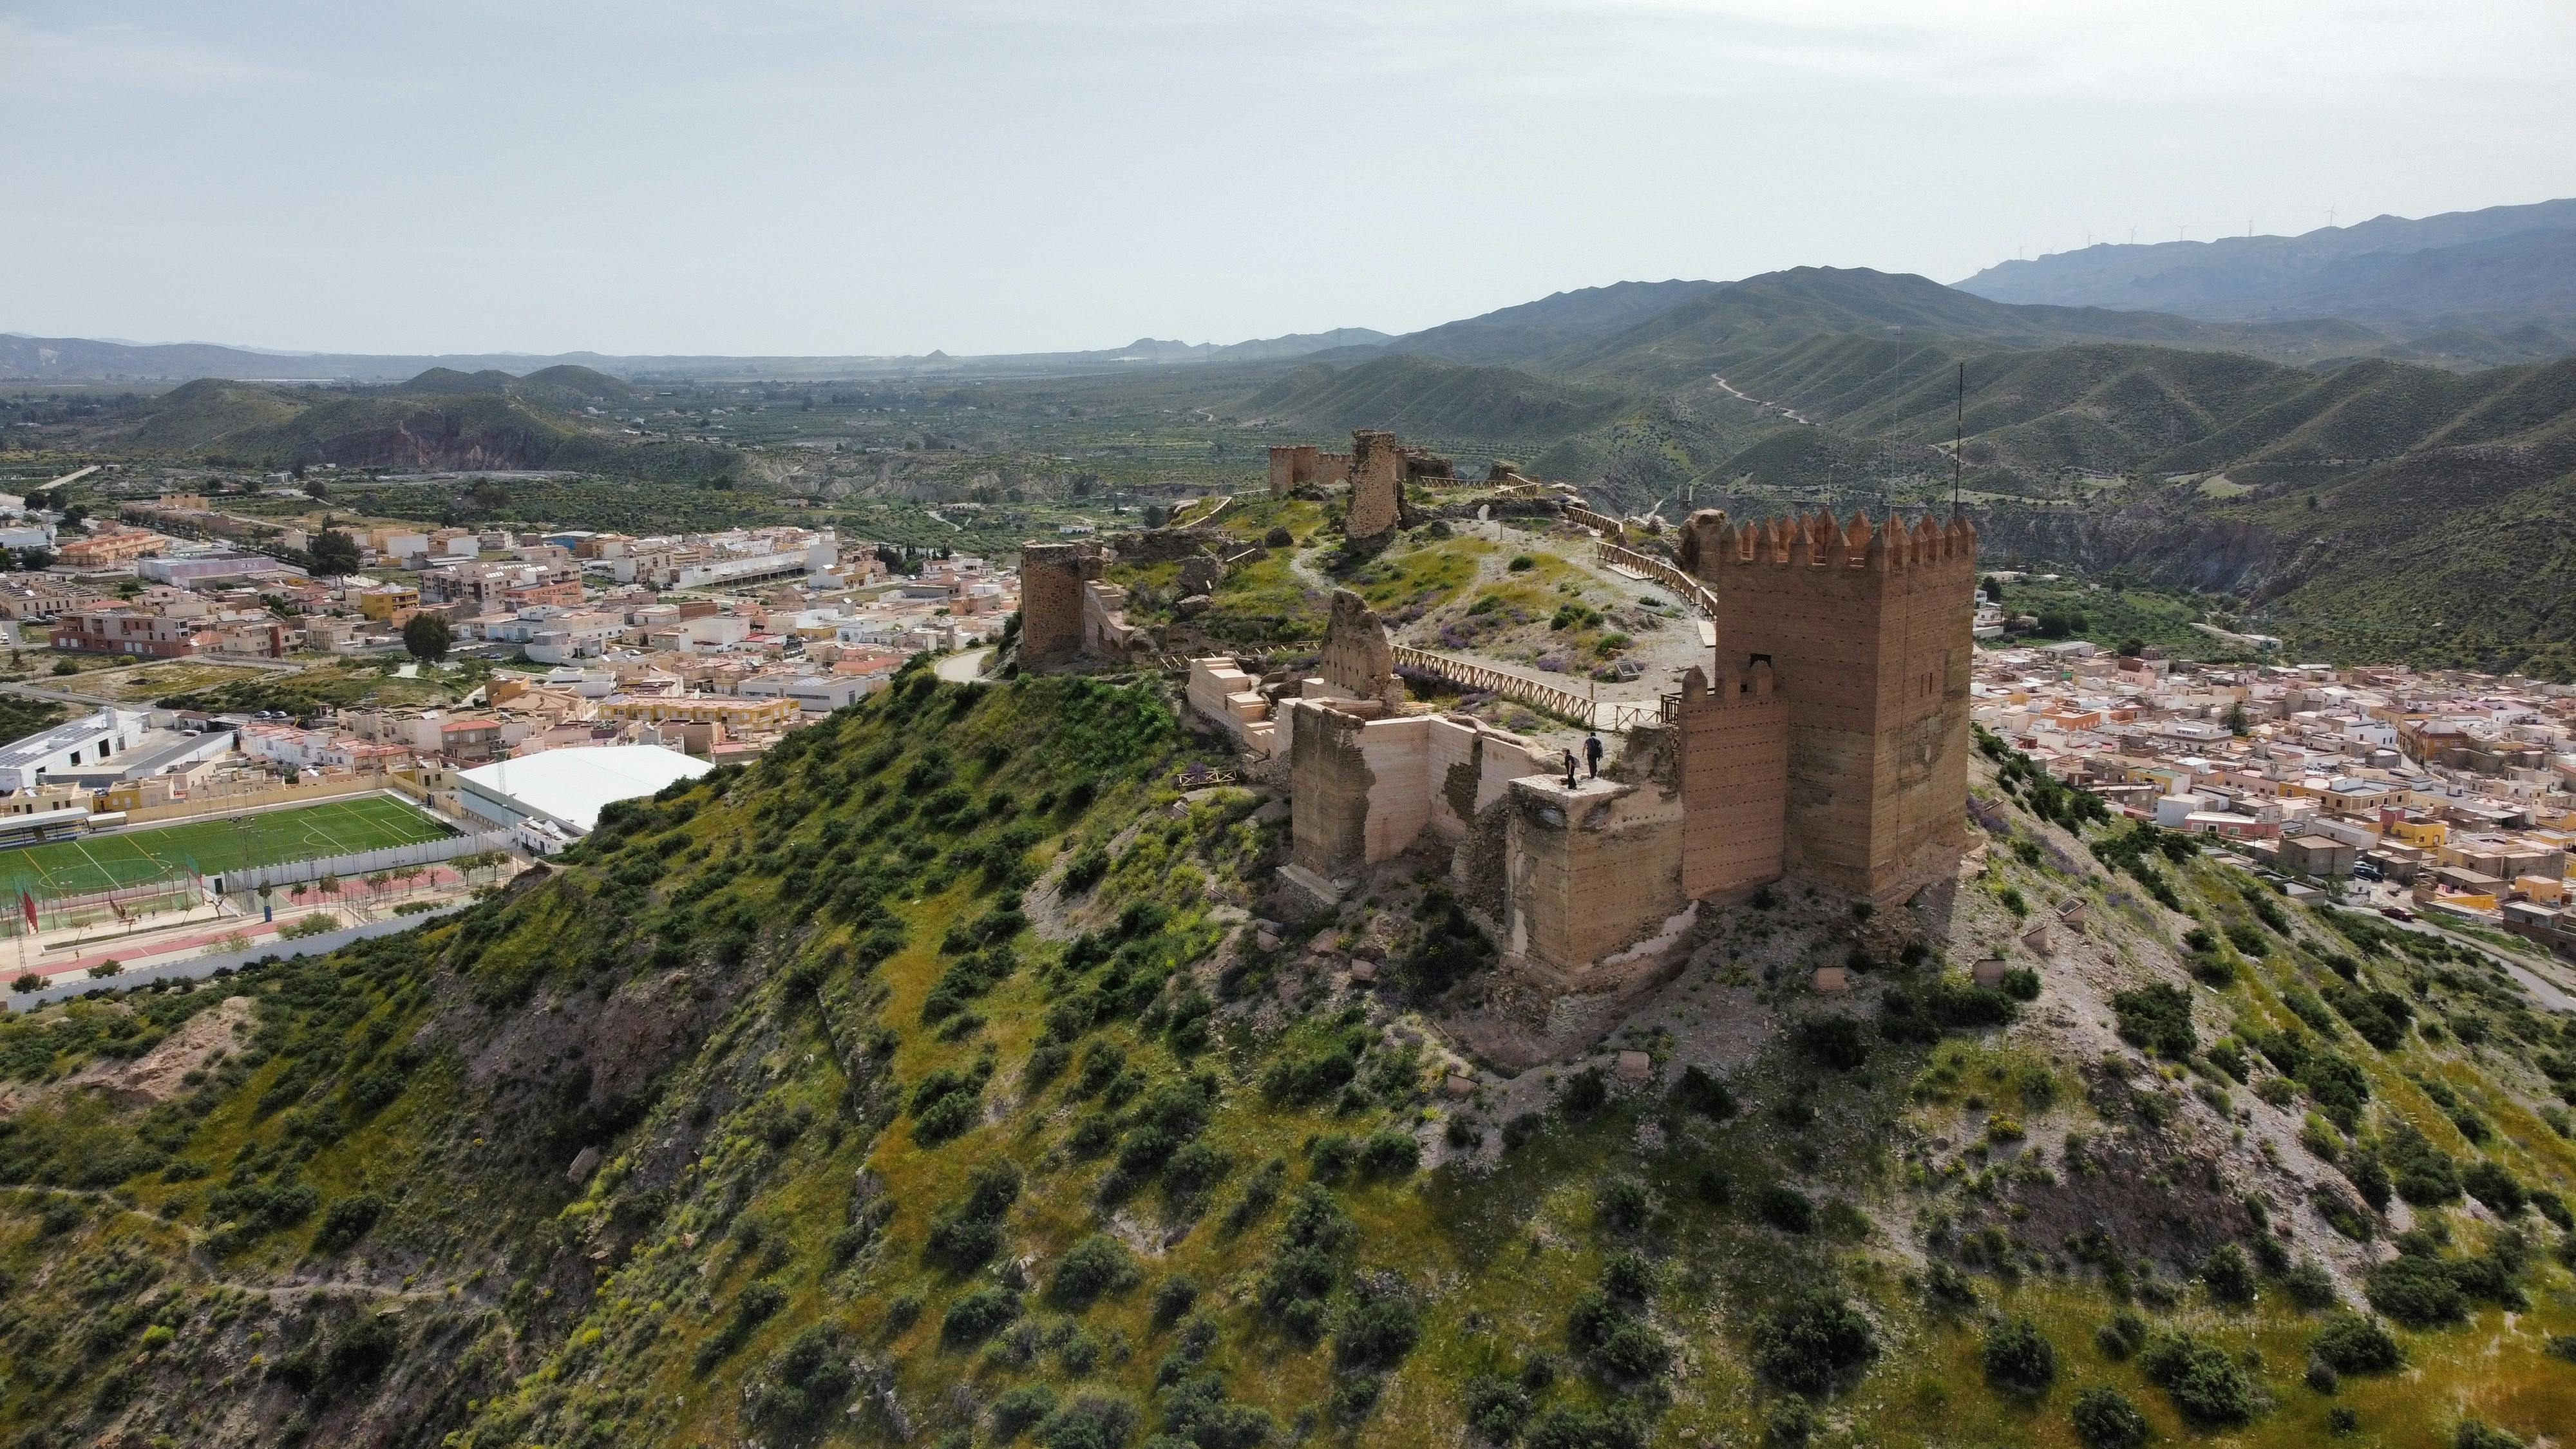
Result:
pixel 2397 913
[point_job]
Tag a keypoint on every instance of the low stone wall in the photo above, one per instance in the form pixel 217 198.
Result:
pixel 197 968
pixel 215 800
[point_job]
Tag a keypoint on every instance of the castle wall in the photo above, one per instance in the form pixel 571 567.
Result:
pixel 1735 781
pixel 1051 599
pixel 1592 870
pixel 1360 787
pixel 1297 466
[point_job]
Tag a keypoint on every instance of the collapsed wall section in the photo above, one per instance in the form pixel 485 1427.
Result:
pixel 1593 868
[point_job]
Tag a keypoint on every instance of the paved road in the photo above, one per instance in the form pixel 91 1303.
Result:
pixel 963 668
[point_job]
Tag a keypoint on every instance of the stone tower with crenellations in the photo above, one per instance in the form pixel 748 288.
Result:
pixel 1857 640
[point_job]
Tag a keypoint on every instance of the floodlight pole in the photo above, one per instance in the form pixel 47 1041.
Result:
pixel 1958 438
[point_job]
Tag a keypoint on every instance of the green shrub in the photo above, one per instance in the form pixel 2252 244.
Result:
pixel 2156 1018
pixel 1020 1408
pixel 2351 1344
pixel 1378 1326
pixel 1833 1041
pixel 1096 1265
pixel 1390 1152
pixel 2478 1434
pixel 2018 1358
pixel 2489 1183
pixel 346 1221
pixel 2105 1418
pixel 806 1380
pixel 1623 1205
pixel 978 1315
pixel 1811 1341
pixel 1091 1421
pixel 2205 1383
pixel 2309 1285
pixel 2124 1334
pixel 2227 1276
pixel 1699 1090
pixel 1497 1408
pixel 1785 1208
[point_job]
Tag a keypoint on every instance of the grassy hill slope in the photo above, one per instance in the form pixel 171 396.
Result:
pixel 439 419
pixel 941 1094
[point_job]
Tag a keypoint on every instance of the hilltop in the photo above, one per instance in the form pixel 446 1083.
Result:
pixel 933 1081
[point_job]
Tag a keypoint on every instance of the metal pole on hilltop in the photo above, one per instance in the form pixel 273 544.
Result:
pixel 1958 438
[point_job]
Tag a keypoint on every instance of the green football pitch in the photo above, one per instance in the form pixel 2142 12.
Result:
pixel 213 847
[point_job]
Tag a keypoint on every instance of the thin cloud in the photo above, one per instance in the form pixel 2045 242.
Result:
pixel 100 62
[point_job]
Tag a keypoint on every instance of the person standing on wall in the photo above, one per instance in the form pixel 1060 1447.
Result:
pixel 1569 769
pixel 1592 753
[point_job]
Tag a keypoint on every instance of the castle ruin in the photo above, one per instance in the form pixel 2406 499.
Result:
pixel 1825 741
pixel 1375 470
pixel 1069 609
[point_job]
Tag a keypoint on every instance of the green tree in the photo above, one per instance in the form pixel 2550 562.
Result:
pixel 427 636
pixel 335 553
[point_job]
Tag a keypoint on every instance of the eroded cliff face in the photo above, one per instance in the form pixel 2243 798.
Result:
pixel 2169 542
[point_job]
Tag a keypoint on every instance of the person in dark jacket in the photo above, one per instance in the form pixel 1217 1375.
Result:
pixel 1592 753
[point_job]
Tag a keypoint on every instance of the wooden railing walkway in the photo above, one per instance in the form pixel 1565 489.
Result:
pixel 1221 504
pixel 1600 523
pixel 1547 698
pixel 1662 571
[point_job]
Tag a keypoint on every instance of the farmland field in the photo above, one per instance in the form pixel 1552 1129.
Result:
pixel 212 847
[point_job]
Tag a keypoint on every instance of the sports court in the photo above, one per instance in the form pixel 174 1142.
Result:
pixel 213 847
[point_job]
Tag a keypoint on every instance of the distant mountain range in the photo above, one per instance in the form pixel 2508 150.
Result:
pixel 2503 259
pixel 80 359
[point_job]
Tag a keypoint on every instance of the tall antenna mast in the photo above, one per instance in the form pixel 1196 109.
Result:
pixel 1958 439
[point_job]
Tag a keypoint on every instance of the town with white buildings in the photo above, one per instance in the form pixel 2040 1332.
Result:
pixel 2407 791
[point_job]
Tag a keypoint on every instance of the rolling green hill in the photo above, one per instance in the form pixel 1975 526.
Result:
pixel 441 419
pixel 1424 397
pixel 927 1083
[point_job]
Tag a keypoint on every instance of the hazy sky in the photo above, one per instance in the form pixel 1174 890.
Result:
pixel 770 176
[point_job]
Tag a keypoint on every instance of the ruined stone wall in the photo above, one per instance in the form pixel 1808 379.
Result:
pixel 1052 576
pixel 1470 768
pixel 1592 871
pixel 1377 484
pixel 1868 634
pixel 1360 787
pixel 1357 656
pixel 1106 633
pixel 1735 780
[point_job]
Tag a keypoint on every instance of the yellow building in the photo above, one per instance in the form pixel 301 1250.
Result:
pixel 392 604
pixel 2422 834
pixel 735 714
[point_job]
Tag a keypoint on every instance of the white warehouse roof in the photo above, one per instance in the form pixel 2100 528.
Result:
pixel 572 786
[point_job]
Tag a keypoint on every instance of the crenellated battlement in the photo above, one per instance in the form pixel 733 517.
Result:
pixel 1709 540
